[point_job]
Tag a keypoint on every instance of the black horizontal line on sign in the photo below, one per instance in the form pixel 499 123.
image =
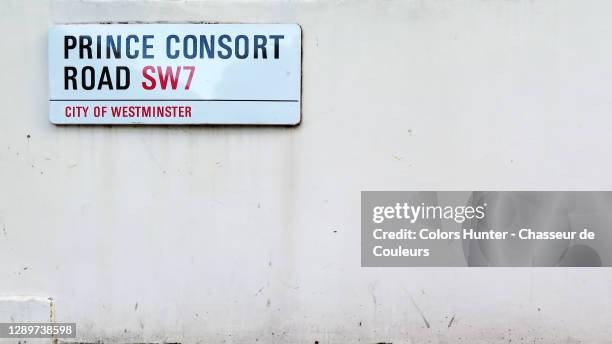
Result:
pixel 176 100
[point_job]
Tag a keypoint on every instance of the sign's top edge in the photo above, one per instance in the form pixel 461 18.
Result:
pixel 103 23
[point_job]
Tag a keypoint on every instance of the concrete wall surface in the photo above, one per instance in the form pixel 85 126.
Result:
pixel 252 234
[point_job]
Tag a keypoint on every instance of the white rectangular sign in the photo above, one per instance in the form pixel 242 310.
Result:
pixel 175 74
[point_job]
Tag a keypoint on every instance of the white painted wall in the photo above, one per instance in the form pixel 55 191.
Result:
pixel 227 234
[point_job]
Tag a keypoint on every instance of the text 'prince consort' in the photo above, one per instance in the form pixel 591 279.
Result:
pixel 108 47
